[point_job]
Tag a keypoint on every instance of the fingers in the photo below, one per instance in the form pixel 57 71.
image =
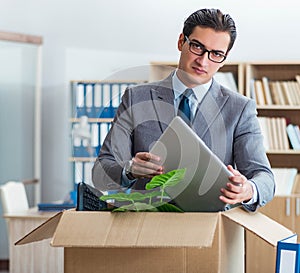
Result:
pixel 144 156
pixel 237 178
pixel 237 190
pixel 146 165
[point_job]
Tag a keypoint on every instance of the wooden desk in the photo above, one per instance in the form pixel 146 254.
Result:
pixel 37 257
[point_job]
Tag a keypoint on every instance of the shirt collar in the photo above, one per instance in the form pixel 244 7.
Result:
pixel 179 88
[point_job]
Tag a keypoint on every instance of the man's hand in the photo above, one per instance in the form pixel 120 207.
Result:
pixel 237 190
pixel 146 165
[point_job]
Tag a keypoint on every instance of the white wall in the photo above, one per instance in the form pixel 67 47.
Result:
pixel 94 38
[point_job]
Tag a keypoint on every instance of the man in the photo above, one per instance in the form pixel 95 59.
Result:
pixel 226 121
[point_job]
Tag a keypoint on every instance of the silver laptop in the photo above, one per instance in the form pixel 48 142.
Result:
pixel 180 147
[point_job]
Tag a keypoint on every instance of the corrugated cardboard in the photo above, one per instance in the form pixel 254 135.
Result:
pixel 286 209
pixel 158 242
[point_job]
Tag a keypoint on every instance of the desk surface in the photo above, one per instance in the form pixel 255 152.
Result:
pixel 35 257
pixel 33 213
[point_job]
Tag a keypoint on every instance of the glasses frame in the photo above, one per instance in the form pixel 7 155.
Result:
pixel 190 43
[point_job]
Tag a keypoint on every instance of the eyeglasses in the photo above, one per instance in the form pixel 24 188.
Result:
pixel 199 50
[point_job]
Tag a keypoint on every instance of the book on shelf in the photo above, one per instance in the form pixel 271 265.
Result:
pixel 89 146
pixel 274 132
pixel 259 92
pixel 284 136
pixel 279 91
pixel 274 93
pixel 295 86
pixel 297 129
pixel 267 91
pixel 284 180
pixel 292 131
pixel 287 94
pixel 227 80
pixel 252 90
pixel 99 99
pixel 82 172
pixel 297 77
pixel 263 122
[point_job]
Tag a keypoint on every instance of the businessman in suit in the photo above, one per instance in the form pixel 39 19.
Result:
pixel 225 120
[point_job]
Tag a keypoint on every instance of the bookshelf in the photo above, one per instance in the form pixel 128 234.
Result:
pixel 277 72
pixel 283 209
pixel 93 106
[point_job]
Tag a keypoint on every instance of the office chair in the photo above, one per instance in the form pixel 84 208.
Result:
pixel 13 196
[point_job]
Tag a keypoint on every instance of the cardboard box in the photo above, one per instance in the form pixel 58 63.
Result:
pixel 147 242
pixel 286 209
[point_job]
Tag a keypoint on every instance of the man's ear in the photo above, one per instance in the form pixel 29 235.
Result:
pixel 180 42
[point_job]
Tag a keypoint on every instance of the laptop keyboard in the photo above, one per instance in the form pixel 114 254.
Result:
pixel 88 198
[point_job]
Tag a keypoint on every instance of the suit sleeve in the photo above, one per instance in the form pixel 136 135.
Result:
pixel 116 149
pixel 250 156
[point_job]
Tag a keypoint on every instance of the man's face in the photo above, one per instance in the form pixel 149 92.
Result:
pixel 194 70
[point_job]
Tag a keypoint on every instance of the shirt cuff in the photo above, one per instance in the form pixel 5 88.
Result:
pixel 254 197
pixel 125 181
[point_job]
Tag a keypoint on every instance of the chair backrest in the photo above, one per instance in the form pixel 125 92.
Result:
pixel 13 197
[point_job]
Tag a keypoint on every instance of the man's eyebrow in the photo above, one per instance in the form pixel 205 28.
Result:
pixel 214 50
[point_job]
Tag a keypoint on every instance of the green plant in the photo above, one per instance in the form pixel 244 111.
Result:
pixel 153 198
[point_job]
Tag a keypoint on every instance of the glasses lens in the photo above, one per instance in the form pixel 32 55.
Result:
pixel 216 57
pixel 197 49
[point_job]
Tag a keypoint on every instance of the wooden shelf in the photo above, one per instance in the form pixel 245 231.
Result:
pixel 277 71
pixel 82 159
pixel 291 114
pixel 93 120
pixel 283 152
pixel 282 71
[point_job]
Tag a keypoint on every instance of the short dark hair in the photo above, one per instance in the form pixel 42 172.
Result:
pixel 211 18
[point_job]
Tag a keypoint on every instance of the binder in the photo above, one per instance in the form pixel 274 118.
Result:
pixel 78 172
pixel 97 101
pixel 55 206
pixel 288 255
pixel 95 133
pixel 76 143
pixel 79 98
pixel 104 128
pixel 87 172
pixel 115 98
pixel 89 90
pixel 106 101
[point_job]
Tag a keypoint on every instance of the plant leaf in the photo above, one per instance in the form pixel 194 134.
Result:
pixel 167 207
pixel 121 196
pixel 152 194
pixel 136 207
pixel 166 180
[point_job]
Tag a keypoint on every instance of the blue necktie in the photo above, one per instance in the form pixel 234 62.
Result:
pixel 184 110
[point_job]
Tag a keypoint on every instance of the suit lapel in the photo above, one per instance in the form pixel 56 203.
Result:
pixel 207 114
pixel 209 110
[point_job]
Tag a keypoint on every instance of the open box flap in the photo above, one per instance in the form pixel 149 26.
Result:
pixel 131 229
pixel 259 224
pixel 44 231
